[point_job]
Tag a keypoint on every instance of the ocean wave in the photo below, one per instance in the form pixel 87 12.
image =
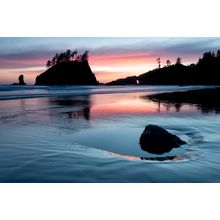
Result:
pixel 24 92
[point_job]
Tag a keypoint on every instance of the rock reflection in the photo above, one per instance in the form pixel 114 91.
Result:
pixel 76 107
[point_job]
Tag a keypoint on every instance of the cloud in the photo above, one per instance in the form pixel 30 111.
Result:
pixel 110 55
pixel 24 59
pixel 173 46
pixel 145 48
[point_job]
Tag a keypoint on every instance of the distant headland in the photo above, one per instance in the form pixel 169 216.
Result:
pixel 205 72
pixel 68 68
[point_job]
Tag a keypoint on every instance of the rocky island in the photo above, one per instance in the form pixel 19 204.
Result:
pixel 68 68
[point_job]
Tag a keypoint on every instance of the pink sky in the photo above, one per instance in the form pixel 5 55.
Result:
pixel 109 58
pixel 105 67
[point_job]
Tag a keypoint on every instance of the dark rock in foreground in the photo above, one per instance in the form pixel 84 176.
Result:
pixel 20 81
pixel 68 73
pixel 157 140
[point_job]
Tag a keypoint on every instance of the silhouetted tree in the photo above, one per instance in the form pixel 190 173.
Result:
pixel 207 55
pixel 49 63
pixel 56 58
pixel 85 56
pixel 208 58
pixel 74 54
pixel 79 58
pixel 68 56
pixel 53 62
pixel 178 60
pixel 60 58
pixel 168 63
pixel 158 61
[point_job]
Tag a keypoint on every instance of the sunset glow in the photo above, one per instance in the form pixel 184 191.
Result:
pixel 132 104
pixel 109 58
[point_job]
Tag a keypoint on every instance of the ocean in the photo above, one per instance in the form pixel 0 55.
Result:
pixel 91 134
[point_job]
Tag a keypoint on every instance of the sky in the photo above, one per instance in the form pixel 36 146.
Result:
pixel 109 58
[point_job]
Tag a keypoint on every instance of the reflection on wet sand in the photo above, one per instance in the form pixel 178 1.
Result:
pixel 205 100
pixel 156 159
pixel 77 107
pixel 110 105
pixel 164 106
pixel 107 105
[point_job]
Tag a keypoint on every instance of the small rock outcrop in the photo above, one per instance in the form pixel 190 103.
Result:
pixel 157 140
pixel 20 81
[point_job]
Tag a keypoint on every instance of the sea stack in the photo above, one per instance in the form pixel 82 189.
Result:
pixel 67 73
pixel 68 68
pixel 20 81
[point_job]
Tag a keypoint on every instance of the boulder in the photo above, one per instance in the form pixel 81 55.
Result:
pixel 157 140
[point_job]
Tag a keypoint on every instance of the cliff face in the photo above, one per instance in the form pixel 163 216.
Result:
pixel 68 73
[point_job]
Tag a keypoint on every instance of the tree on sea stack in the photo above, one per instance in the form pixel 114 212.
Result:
pixel 49 63
pixel 85 56
pixel 74 54
pixel 68 56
